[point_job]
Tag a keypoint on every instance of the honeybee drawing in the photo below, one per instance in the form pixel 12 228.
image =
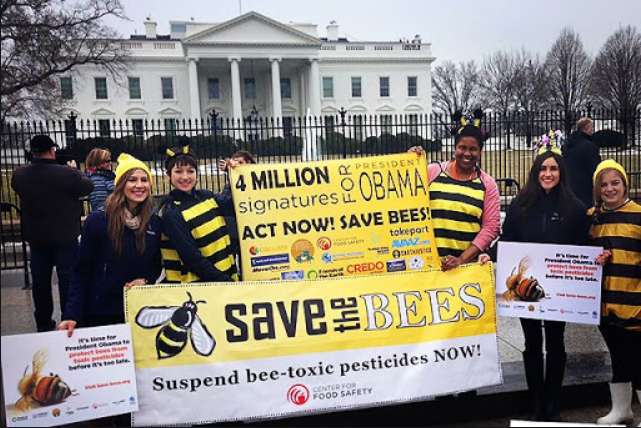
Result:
pixel 41 390
pixel 523 288
pixel 179 324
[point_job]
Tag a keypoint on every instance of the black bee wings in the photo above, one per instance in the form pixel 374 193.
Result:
pixel 201 339
pixel 153 316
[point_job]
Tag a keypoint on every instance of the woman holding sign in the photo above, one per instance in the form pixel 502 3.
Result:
pixel 616 226
pixel 120 247
pixel 545 211
pixel 464 200
pixel 195 243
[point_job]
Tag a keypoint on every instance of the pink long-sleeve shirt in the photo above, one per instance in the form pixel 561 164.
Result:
pixel 491 218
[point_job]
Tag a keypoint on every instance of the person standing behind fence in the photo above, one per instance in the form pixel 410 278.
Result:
pixel 546 211
pixel 582 157
pixel 120 247
pixel 195 242
pixel 50 209
pixel 616 226
pixel 98 169
pixel 464 200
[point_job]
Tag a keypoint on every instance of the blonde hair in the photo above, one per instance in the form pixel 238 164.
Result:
pixel 598 201
pixel 96 157
pixel 115 207
pixel 583 123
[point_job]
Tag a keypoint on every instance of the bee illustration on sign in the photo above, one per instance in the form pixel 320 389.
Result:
pixel 179 323
pixel 40 390
pixel 521 287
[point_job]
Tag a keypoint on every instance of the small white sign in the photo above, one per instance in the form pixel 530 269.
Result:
pixel 549 282
pixel 50 379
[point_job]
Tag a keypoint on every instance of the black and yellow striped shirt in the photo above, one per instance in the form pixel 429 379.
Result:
pixel 457 213
pixel 195 243
pixel 620 232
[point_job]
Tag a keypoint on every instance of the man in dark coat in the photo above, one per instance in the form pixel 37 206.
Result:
pixel 582 157
pixel 50 210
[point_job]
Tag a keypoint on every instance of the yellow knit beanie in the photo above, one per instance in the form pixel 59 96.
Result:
pixel 610 164
pixel 126 163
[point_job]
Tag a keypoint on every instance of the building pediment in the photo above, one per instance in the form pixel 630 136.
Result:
pixel 252 28
pixel 168 111
pixel 103 112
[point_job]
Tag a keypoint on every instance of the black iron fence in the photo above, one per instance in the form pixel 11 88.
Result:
pixel 507 155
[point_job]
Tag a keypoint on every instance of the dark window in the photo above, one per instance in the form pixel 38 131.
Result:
pixel 66 88
pixel 286 88
pixel 287 126
pixel 104 127
pixel 356 87
pixel 330 122
pixel 213 88
pixel 412 90
pixel 167 84
pixel 134 88
pixel 384 86
pixel 328 87
pixel 250 89
pixel 413 124
pixel 101 88
pixel 170 126
pixel 386 123
pixel 137 126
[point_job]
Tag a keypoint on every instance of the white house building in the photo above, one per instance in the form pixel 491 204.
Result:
pixel 254 63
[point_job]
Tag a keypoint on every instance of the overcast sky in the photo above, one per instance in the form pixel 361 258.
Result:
pixel 458 30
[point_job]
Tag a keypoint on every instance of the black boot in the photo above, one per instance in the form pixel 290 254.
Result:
pixel 533 362
pixel 554 372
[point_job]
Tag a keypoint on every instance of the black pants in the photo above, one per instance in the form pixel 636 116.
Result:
pixel 43 258
pixel 544 376
pixel 625 353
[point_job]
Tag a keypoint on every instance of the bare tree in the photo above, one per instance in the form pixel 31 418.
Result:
pixel 531 89
pixel 498 84
pixel 43 39
pixel 455 86
pixel 616 76
pixel 569 74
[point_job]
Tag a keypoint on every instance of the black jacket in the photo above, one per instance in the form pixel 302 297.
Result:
pixel 582 157
pixel 49 199
pixel 545 224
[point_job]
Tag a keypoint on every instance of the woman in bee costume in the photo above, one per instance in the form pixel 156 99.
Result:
pixel 616 226
pixel 464 200
pixel 545 211
pixel 195 242
pixel 120 247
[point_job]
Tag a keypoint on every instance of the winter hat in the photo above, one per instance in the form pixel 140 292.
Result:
pixel 126 163
pixel 610 164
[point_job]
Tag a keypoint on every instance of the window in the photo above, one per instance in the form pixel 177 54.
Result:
pixel 412 86
pixel 167 84
pixel 134 88
pixel 66 88
pixel 286 88
pixel 250 89
pixel 386 123
pixel 383 86
pixel 170 126
pixel 137 126
pixel 213 88
pixel 330 122
pixel 104 128
pixel 179 28
pixel 328 87
pixel 101 88
pixel 356 87
pixel 287 126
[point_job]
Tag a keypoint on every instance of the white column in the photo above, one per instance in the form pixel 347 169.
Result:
pixel 236 102
pixel 194 93
pixel 303 92
pixel 277 104
pixel 314 87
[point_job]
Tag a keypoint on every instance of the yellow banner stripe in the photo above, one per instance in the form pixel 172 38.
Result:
pixel 207 228
pixel 199 209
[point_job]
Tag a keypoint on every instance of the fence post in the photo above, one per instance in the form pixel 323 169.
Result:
pixel 71 131
pixel 342 112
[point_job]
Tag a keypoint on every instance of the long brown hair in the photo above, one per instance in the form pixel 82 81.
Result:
pixel 115 207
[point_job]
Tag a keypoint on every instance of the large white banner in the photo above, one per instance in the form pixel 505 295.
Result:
pixel 222 352
pixel 50 379
pixel 549 282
